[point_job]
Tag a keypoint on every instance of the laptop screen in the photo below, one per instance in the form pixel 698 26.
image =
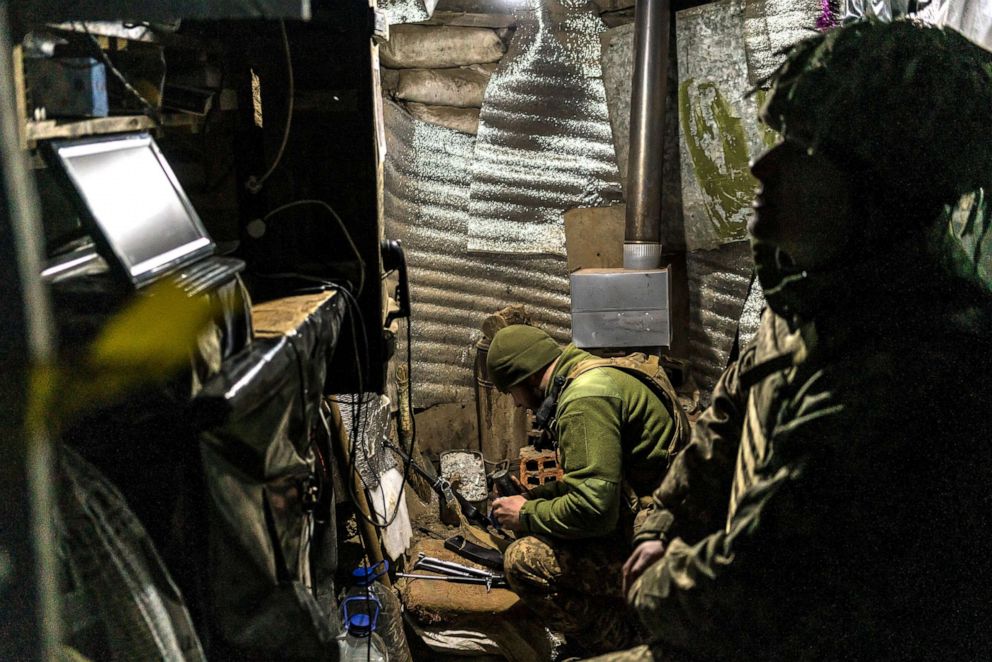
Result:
pixel 137 207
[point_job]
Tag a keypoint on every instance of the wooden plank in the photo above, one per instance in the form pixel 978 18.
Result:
pixel 139 32
pixel 594 237
pixel 281 316
pixel 49 129
pixel 370 534
pixel 20 95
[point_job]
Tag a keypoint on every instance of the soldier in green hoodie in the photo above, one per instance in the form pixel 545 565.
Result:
pixel 834 502
pixel 617 424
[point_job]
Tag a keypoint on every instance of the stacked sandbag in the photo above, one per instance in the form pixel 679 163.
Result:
pixel 465 120
pixel 439 73
pixel 439 46
pixel 463 87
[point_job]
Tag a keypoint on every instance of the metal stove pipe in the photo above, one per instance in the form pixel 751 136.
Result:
pixel 642 238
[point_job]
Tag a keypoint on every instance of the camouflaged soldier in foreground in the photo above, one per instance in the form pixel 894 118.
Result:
pixel 836 499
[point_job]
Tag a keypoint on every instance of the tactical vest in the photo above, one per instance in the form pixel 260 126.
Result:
pixel 645 368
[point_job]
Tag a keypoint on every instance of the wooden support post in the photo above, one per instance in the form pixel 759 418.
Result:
pixel 30 618
pixel 368 532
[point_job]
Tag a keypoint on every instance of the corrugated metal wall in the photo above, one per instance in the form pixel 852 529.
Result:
pixel 545 143
pixel 446 195
pixel 427 178
pixel 718 286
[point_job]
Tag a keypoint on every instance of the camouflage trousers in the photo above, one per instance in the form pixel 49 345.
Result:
pixel 655 653
pixel 575 587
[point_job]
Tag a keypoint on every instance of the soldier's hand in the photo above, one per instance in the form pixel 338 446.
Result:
pixel 644 556
pixel 506 510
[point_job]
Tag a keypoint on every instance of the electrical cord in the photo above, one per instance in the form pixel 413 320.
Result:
pixel 357 404
pixel 358 423
pixel 352 486
pixel 357 420
pixel 254 184
pixel 344 230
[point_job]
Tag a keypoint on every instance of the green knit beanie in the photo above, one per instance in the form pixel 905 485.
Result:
pixel 517 352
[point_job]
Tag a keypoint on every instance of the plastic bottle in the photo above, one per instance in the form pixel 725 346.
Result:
pixel 372 596
pixel 359 643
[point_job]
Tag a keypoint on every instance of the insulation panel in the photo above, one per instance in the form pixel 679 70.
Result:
pixel 720 132
pixel 545 143
pixel 771 27
pixel 427 179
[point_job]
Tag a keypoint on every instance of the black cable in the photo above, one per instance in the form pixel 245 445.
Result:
pixel 357 404
pixel 357 421
pixel 344 230
pixel 370 518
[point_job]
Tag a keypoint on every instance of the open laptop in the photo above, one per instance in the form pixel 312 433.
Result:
pixel 137 213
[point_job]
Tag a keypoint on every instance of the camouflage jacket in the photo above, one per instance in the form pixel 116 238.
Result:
pixel 835 501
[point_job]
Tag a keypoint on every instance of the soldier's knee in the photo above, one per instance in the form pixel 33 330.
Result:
pixel 530 564
pixel 638 654
pixel 515 565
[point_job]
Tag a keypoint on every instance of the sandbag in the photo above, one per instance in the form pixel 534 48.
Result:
pixel 486 68
pixel 473 20
pixel 390 80
pixel 465 120
pixel 463 88
pixel 439 47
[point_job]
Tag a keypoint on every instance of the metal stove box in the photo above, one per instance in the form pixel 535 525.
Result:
pixel 620 308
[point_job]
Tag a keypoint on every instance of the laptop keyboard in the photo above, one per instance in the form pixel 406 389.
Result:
pixel 207 274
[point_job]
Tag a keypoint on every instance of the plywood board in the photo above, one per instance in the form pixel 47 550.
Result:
pixel 281 316
pixel 719 129
pixel 594 237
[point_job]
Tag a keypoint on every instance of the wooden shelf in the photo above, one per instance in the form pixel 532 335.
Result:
pixel 283 316
pixel 142 33
pixel 48 129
